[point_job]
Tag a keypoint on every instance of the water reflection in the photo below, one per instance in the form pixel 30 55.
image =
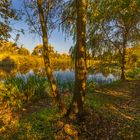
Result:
pixel 98 77
pixel 61 73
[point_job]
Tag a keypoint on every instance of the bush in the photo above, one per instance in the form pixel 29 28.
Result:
pixel 19 91
pixel 133 73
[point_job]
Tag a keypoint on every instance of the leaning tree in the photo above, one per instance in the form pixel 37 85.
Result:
pixel 42 18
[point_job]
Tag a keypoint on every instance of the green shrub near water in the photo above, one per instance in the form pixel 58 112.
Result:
pixel 133 73
pixel 19 91
pixel 23 89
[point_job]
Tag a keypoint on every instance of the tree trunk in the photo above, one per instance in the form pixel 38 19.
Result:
pixel 48 69
pixel 76 107
pixel 123 69
pixel 123 57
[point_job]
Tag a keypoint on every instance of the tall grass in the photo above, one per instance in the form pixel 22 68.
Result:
pixel 21 90
pixel 66 84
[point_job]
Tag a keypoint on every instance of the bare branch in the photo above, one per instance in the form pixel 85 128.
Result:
pixel 30 20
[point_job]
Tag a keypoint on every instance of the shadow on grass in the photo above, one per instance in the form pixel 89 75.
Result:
pixel 110 116
pixel 114 112
pixel 98 99
pixel 37 126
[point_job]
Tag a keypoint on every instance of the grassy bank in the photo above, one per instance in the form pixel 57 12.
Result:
pixel 112 113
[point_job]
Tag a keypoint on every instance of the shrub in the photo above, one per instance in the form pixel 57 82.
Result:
pixel 133 73
pixel 19 91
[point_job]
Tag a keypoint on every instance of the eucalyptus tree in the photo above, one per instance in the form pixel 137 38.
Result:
pixel 42 16
pixel 119 23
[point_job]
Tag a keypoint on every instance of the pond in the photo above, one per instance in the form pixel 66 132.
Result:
pixel 63 75
pixel 98 77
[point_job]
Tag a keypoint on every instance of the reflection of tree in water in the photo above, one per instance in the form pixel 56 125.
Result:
pixel 107 70
pixel 39 71
pixel 7 66
pixel 7 72
pixel 24 69
pixel 100 75
pixel 61 66
pixel 7 62
pixel 104 70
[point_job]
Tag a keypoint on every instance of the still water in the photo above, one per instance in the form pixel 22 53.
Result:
pixel 63 75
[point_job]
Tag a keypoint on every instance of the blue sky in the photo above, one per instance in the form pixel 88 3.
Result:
pixel 29 40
